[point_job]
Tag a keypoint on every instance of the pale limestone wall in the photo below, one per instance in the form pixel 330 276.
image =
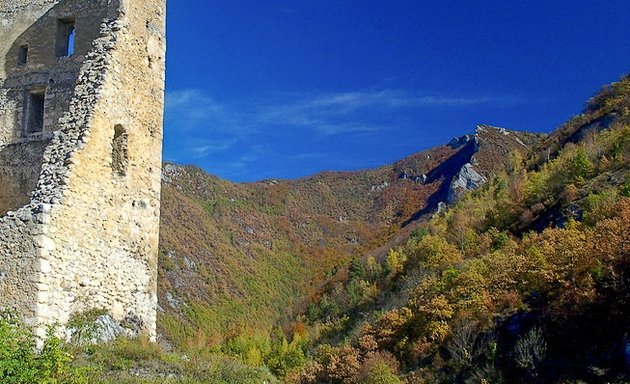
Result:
pixel 90 236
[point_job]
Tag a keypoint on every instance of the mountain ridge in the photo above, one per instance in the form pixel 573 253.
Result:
pixel 216 233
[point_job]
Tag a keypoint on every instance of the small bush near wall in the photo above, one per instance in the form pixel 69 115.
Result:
pixel 21 362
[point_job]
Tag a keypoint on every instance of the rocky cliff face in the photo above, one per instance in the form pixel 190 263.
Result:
pixel 467 179
pixel 493 148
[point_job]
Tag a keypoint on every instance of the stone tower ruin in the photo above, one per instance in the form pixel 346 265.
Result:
pixel 81 101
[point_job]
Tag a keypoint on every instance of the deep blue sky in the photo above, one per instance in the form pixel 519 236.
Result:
pixel 287 88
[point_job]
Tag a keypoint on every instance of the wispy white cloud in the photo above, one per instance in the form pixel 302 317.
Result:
pixel 389 98
pixel 190 107
pixel 204 148
pixel 192 110
pixel 346 112
pixel 194 113
pixel 308 156
pixel 240 164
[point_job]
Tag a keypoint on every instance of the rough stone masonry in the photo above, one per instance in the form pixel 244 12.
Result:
pixel 81 101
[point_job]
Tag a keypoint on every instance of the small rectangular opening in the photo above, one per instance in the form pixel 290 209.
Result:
pixel 120 151
pixel 35 111
pixel 66 36
pixel 23 54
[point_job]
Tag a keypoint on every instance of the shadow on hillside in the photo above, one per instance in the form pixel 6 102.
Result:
pixel 445 172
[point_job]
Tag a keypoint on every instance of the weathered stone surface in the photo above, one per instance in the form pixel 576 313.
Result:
pixel 466 180
pixel 493 150
pixel 79 198
pixel 103 330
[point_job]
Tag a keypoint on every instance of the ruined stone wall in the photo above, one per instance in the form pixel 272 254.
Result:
pixel 119 242
pixel 34 27
pixel 92 231
pixel 43 67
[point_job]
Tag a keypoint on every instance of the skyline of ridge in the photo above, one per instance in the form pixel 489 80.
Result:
pixel 288 89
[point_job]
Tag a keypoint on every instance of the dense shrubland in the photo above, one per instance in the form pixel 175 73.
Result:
pixel 514 283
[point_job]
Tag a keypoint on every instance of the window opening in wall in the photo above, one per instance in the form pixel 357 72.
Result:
pixel 71 39
pixel 120 152
pixel 66 36
pixel 34 119
pixel 23 54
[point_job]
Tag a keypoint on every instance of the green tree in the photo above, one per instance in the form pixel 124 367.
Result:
pixel 581 166
pixel 356 270
pixel 396 261
pixel 379 373
pixel 285 356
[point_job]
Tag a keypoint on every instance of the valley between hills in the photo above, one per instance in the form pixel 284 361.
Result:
pixel 488 259
pixel 245 256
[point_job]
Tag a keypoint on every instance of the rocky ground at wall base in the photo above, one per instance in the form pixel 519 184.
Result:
pixel 100 330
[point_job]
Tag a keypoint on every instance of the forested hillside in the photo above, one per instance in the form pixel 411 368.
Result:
pixel 347 276
pixel 526 279
pixel 356 271
pixel 239 259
